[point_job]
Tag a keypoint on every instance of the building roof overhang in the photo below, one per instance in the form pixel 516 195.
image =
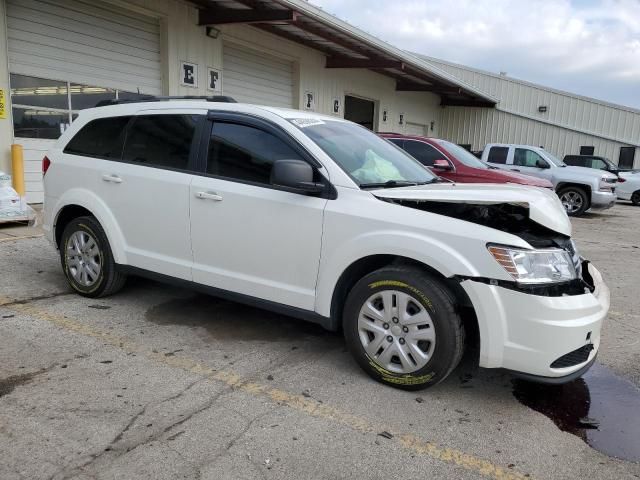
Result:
pixel 344 45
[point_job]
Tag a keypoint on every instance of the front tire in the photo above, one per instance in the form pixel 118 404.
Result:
pixel 635 198
pixel 574 200
pixel 87 260
pixel 402 327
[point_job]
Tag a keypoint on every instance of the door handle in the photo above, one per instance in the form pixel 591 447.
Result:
pixel 112 178
pixel 209 196
pixel 515 169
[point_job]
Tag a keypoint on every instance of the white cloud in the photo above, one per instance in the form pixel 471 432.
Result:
pixel 591 47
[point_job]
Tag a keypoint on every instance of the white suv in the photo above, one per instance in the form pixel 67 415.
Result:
pixel 319 218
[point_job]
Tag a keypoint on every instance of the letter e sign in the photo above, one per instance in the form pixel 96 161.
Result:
pixel 188 74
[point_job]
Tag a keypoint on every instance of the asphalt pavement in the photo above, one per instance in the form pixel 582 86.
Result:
pixel 162 383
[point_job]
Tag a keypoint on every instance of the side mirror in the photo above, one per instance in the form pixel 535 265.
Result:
pixel 541 164
pixel 295 175
pixel 442 164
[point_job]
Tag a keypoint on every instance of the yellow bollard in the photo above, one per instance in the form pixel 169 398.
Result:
pixel 17 168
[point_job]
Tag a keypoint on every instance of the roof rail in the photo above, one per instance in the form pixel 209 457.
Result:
pixel 153 98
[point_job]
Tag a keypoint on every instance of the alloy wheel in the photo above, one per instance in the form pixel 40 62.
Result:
pixel 83 258
pixel 572 201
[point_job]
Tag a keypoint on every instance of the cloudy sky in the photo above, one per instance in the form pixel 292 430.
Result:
pixel 589 47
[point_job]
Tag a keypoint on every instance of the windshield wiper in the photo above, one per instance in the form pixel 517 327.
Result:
pixel 395 183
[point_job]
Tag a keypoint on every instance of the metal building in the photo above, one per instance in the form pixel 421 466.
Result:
pixel 58 57
pixel 561 122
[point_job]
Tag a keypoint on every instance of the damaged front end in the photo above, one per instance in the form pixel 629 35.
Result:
pixel 514 219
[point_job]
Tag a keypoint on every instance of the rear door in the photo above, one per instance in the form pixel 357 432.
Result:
pixel 148 191
pixel 498 157
pixel 248 236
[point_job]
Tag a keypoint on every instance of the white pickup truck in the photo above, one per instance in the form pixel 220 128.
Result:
pixel 579 188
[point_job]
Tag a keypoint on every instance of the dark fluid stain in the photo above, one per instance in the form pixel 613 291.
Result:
pixel 224 319
pixel 7 385
pixel 600 408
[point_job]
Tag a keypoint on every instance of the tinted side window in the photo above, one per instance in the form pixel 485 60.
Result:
pixel 572 160
pixel 423 152
pixel 398 141
pixel 161 140
pixel 102 138
pixel 526 158
pixel 498 155
pixel 245 153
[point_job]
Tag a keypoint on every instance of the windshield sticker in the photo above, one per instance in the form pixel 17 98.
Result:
pixel 306 122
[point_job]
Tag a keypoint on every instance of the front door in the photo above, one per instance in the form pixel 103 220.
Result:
pixel 248 236
pixel 528 162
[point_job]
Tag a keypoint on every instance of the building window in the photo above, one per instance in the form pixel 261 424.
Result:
pixel 627 157
pixel 586 150
pixel 44 108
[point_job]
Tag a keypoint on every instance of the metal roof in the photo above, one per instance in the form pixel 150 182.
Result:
pixel 344 45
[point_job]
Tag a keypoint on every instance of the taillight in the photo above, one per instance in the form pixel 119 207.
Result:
pixel 45 165
pixel 621 180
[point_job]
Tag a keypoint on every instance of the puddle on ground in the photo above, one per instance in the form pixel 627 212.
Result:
pixel 224 319
pixel 600 408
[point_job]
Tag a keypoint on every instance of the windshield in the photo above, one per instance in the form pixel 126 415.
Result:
pixel 370 160
pixel 462 154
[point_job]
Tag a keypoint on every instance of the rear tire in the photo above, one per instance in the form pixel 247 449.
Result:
pixel 574 200
pixel 402 327
pixel 86 259
pixel 635 197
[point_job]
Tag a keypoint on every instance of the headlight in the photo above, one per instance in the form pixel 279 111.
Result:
pixel 535 266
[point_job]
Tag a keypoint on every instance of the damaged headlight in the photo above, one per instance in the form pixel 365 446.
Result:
pixel 535 266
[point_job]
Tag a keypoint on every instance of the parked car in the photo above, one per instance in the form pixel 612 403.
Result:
pixel 591 161
pixel 454 163
pixel 629 187
pixel 579 188
pixel 318 218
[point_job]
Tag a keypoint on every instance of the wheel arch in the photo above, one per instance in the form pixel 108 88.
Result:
pixel 366 265
pixel 587 188
pixel 80 202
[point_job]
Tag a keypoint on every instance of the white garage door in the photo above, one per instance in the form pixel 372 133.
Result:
pixel 415 129
pixel 253 77
pixel 87 49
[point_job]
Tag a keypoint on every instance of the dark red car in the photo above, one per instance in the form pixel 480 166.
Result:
pixel 454 163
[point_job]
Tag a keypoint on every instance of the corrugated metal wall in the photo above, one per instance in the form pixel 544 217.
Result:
pixel 479 126
pixel 569 122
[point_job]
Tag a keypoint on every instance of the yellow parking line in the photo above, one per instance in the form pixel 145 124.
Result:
pixel 23 237
pixel 298 402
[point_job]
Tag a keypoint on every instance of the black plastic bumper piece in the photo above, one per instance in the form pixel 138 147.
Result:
pixel 554 380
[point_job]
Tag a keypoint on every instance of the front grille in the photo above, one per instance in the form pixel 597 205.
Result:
pixel 576 357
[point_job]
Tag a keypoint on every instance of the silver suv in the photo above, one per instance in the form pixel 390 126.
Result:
pixel 579 188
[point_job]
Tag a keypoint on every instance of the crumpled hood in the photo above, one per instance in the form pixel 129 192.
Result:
pixel 544 205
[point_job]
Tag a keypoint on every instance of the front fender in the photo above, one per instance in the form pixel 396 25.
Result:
pixel 442 257
pixel 89 200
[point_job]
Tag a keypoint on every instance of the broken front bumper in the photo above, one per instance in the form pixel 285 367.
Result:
pixel 541 336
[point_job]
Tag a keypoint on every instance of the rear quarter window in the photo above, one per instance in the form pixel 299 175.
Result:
pixel 102 138
pixel 498 155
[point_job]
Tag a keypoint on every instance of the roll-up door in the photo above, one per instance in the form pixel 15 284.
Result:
pixel 66 55
pixel 253 77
